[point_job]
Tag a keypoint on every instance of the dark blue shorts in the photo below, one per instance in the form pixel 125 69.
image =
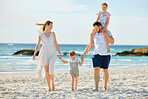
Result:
pixel 101 61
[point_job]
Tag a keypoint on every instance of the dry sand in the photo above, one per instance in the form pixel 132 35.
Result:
pixel 123 83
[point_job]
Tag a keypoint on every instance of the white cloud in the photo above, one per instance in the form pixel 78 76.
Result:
pixel 61 6
pixel 70 17
pixel 42 6
pixel 129 30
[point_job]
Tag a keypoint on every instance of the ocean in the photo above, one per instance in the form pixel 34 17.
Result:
pixel 24 64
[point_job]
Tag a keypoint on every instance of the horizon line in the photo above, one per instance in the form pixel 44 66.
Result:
pixel 74 44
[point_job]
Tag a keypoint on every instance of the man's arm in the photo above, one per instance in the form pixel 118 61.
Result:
pixel 80 63
pixel 109 38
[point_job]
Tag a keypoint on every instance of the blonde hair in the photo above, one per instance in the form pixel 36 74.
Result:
pixel 44 25
pixel 104 4
pixel 72 53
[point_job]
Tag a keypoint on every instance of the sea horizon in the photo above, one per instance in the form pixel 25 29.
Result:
pixel 23 63
pixel 82 44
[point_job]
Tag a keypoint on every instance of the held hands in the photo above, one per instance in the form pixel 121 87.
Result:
pixel 104 31
pixel 82 58
pixel 60 56
pixel 33 57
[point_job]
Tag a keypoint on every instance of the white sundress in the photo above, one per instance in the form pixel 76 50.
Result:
pixel 47 55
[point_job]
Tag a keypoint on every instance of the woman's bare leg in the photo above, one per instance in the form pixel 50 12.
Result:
pixel 76 82
pixel 97 77
pixel 47 76
pixel 52 80
pixel 50 77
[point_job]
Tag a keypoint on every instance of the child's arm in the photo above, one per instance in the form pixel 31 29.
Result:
pixel 64 62
pixel 98 18
pixel 107 22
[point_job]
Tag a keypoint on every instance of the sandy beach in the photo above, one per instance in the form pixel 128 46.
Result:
pixel 123 83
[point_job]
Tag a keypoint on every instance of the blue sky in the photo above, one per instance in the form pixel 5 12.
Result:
pixel 73 20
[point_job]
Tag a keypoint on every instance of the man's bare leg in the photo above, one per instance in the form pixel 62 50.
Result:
pixel 105 78
pixel 96 77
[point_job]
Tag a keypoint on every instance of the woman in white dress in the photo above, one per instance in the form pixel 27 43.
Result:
pixel 47 55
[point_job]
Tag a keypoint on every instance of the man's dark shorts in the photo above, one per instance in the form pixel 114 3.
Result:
pixel 101 61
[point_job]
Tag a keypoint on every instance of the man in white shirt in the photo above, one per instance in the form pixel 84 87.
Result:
pixel 101 57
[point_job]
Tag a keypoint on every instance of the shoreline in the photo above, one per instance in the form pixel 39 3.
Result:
pixel 123 83
pixel 64 71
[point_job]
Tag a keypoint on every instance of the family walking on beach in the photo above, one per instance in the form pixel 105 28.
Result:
pixel 100 38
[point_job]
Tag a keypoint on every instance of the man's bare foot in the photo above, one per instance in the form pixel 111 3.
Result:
pixel 105 88
pixel 95 90
pixel 53 88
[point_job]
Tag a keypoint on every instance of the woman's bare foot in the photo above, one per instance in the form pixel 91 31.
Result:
pixel 49 89
pixel 53 87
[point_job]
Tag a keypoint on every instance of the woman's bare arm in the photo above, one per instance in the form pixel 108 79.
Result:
pixel 56 45
pixel 37 47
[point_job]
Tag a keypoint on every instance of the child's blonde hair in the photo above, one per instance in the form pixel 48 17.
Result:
pixel 72 53
pixel 104 4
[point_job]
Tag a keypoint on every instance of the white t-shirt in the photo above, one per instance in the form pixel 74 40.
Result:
pixel 100 44
pixel 70 60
